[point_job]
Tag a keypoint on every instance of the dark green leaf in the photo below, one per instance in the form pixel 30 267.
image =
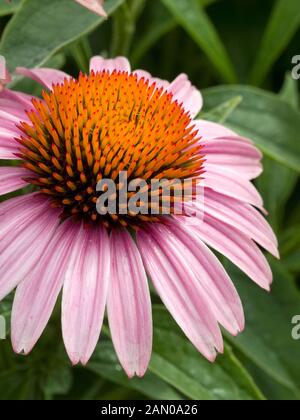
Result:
pixel 105 364
pixel 177 362
pixel 267 340
pixel 41 28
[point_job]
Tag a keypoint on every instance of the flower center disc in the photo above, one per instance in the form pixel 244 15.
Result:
pixel 93 128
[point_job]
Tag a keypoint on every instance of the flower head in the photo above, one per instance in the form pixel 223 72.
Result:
pixel 91 129
pixel 95 6
pixel 112 121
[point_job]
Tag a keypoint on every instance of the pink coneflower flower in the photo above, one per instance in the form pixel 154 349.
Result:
pixel 4 73
pixel 54 240
pixel 95 6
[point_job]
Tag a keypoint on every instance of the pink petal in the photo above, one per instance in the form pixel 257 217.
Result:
pixel 85 292
pixel 19 98
pixel 36 296
pixel 229 183
pixel 179 289
pixel 236 155
pixel 16 213
pixel 209 130
pixel 217 288
pixel 243 217
pixel 94 6
pixel 129 306
pixel 184 92
pixel 8 145
pixel 11 179
pixel 9 116
pixel 26 226
pixel 14 108
pixel 147 76
pixel 44 76
pixel 234 245
pixel 9 124
pixel 6 152
pixel 16 103
pixel 99 64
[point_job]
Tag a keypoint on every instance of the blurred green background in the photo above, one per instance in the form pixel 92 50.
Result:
pixel 239 53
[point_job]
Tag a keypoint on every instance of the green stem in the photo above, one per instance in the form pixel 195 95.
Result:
pixel 124 25
pixel 81 52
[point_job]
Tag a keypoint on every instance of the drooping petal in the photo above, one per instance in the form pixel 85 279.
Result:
pixel 18 98
pixel 237 155
pixel 7 153
pixel 217 288
pixel 45 76
pixel 243 217
pixel 189 95
pixel 13 110
pixel 227 182
pixel 95 6
pixel 85 292
pixel 11 179
pixel 8 144
pixel 99 64
pixel 129 305
pixel 7 115
pixel 11 107
pixel 36 296
pixel 234 245
pixel 11 213
pixel 26 227
pixel 179 289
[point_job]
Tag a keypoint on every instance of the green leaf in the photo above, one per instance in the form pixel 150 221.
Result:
pixel 267 340
pixel 44 373
pixel 268 120
pixel 278 182
pixel 177 362
pixel 41 28
pixel 222 112
pixel 158 18
pixel 283 24
pixel 105 364
pixel 292 262
pixel 290 240
pixel 191 15
pixel 272 389
pixel 9 8
pixel 289 92
pixel 276 185
pixel 58 380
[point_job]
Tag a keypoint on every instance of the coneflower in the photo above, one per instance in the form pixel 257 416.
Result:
pixel 53 239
